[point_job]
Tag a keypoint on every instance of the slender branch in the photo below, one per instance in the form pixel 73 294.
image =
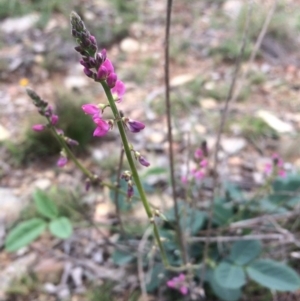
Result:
pixel 271 236
pixel 170 136
pixel 218 142
pixel 117 192
pixel 134 172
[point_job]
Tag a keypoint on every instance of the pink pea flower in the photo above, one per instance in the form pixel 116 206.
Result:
pixel 111 80
pixel 38 127
pixel 198 153
pixel 135 126
pixel 275 167
pixel 118 91
pixel 54 119
pixel 102 127
pixel 62 161
pixel 91 109
pixel 130 191
pixel 179 283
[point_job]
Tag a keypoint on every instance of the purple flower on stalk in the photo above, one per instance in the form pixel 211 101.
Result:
pixel 91 109
pixel 179 283
pixel 88 72
pixel 62 161
pixel 118 91
pixel 135 126
pixel 111 80
pixel 143 161
pixel 38 127
pixel 276 166
pixel 54 119
pixel 105 69
pixel 102 127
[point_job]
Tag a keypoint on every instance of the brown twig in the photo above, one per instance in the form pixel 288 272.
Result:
pixel 170 137
pixel 218 142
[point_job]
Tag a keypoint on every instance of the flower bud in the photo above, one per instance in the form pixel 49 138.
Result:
pixel 88 72
pixel 143 161
pixel 102 73
pixel 54 119
pixel 38 127
pixel 135 126
pixel 62 161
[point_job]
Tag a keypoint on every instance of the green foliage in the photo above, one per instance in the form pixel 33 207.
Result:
pixel 121 257
pixel 27 231
pixel 229 275
pixel 44 205
pixel 225 294
pixel 157 274
pixel 24 233
pixel 274 275
pixel 244 251
pixel 23 286
pixel 190 218
pixel 61 227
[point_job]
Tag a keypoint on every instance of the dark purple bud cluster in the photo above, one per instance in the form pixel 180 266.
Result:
pixel 127 176
pixel 47 111
pixel 87 43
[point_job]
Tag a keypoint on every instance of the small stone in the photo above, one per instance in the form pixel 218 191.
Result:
pixel 232 8
pixel 274 122
pixel 50 288
pixel 233 145
pixel 181 79
pixel 49 270
pixel 76 275
pixel 98 256
pixel 156 137
pixel 63 293
pixel 4 133
pixel 208 103
pixel 19 24
pixel 10 205
pixel 42 184
pixel 129 45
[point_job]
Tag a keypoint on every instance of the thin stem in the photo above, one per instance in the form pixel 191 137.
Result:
pixel 117 192
pixel 170 136
pixel 218 142
pixel 134 172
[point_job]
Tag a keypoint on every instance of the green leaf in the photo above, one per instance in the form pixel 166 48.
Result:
pixel 44 205
pixel 222 213
pixel 24 233
pixel 61 227
pixel 154 171
pixel 121 257
pixel 225 294
pixel 156 277
pixel 274 275
pixel 244 251
pixel 229 276
pixel 190 218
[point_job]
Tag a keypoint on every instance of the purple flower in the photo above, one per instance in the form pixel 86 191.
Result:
pixel 102 73
pixel 130 191
pixel 38 127
pixel 54 119
pixel 143 161
pixel 118 91
pixel 135 126
pixel 88 72
pixel 111 80
pixel 102 127
pixel 62 161
pixel 275 167
pixel 91 109
pixel 109 66
pixel 179 283
pixel 198 153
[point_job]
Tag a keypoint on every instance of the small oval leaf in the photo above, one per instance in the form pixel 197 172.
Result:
pixel 24 233
pixel 229 276
pixel 274 275
pixel 244 251
pixel 61 227
pixel 44 204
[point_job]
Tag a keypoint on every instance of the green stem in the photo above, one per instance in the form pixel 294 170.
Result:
pixel 134 172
